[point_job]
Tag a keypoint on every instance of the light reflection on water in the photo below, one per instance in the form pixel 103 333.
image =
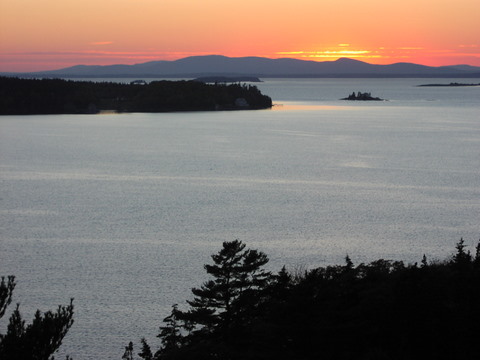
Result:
pixel 292 105
pixel 122 211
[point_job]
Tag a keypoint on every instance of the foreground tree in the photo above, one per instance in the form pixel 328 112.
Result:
pixel 171 333
pixel 221 310
pixel 38 340
pixel 463 258
pixel 238 279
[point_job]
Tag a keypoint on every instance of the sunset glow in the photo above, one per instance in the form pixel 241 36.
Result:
pixel 331 54
pixel 51 34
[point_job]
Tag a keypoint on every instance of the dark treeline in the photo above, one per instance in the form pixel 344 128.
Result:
pixel 56 96
pixel 381 310
pixel 377 311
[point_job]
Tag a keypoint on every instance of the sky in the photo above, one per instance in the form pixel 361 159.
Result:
pixel 51 34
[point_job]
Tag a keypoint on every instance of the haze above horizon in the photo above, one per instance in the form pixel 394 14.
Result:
pixel 48 35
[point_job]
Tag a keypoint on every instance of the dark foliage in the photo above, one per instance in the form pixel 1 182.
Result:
pixel 128 354
pixel 56 96
pixel 38 340
pixel 6 292
pixel 381 310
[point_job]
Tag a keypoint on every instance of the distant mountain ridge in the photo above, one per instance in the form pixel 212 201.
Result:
pixel 218 65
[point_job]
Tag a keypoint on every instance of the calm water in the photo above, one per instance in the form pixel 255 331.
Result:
pixel 121 211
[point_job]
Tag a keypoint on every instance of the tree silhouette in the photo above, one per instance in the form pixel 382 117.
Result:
pixel 463 258
pixel 38 340
pixel 171 334
pixel 146 352
pixel 477 255
pixel 6 292
pixel 128 354
pixel 221 309
pixel 238 278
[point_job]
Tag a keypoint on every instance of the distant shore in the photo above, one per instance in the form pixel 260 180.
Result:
pixel 453 84
pixel 262 67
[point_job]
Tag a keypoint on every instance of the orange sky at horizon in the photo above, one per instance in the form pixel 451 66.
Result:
pixel 51 34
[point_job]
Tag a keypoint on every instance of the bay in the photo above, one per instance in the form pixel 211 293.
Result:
pixel 121 211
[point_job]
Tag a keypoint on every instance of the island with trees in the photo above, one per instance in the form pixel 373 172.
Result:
pixel 366 96
pixel 56 96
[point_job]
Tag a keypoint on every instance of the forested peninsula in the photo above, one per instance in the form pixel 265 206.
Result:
pixel 56 96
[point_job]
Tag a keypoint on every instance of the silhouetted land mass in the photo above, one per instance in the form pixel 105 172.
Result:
pixel 227 79
pixel 216 65
pixel 452 84
pixel 56 96
pixel 362 97
pixel 381 310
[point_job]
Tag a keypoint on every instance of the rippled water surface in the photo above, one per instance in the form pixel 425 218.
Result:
pixel 121 211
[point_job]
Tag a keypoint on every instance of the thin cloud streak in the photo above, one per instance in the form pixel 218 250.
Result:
pixel 99 52
pixel 36 60
pixel 100 43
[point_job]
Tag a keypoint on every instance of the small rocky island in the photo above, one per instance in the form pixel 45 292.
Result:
pixel 366 96
pixel 56 96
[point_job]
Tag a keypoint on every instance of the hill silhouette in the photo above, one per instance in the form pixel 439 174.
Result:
pixel 217 65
